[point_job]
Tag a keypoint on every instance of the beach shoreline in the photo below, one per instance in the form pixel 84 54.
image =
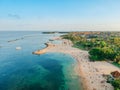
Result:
pixel 91 73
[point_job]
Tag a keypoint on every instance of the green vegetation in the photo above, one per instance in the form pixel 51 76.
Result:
pixel 117 59
pixel 104 53
pixel 116 64
pixel 116 84
pixel 101 45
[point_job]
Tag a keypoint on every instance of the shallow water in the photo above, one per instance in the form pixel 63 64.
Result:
pixel 21 70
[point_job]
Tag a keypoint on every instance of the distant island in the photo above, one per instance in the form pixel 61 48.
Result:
pixel 53 32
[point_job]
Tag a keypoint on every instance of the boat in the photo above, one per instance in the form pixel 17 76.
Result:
pixel 18 48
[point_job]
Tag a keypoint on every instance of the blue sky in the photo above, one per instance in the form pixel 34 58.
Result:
pixel 59 14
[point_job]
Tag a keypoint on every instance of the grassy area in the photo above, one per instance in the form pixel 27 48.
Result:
pixel 116 64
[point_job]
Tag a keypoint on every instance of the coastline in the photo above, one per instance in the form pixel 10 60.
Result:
pixel 89 72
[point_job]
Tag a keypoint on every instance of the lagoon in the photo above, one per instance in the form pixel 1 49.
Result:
pixel 21 70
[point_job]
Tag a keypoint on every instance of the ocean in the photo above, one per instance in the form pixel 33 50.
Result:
pixel 21 70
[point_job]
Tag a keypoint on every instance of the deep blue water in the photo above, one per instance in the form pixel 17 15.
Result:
pixel 21 70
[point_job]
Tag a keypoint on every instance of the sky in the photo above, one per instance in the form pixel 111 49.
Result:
pixel 61 15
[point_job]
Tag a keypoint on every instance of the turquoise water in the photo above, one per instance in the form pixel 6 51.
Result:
pixel 21 70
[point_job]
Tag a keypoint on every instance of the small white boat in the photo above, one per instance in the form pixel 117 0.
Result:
pixel 18 48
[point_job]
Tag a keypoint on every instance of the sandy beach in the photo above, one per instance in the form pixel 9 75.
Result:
pixel 91 73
